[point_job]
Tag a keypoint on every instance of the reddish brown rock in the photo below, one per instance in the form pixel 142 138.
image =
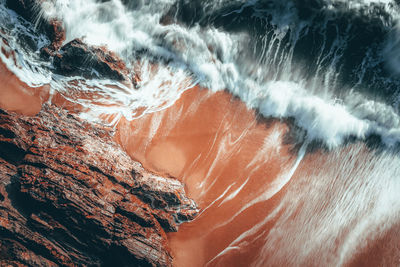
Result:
pixel 75 57
pixel 56 34
pixel 70 196
pixel 78 58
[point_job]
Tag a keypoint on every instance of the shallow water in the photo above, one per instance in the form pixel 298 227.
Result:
pixel 262 204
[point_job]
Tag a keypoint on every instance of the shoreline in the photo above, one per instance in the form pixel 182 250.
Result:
pixel 231 162
pixel 171 155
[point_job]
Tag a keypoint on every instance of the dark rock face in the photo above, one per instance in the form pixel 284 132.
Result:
pixel 70 196
pixel 56 34
pixel 77 58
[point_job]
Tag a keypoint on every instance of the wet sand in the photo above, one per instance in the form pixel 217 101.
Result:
pixel 254 210
pixel 237 168
pixel 226 159
pixel 17 96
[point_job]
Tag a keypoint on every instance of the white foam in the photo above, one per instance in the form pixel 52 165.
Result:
pixel 217 60
pixel 335 207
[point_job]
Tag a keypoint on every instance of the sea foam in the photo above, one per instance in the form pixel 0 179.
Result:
pixel 273 84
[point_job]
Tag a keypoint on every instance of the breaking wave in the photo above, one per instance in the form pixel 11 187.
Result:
pixel 328 64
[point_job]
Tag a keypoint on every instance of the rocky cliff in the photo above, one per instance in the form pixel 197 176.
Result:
pixel 70 196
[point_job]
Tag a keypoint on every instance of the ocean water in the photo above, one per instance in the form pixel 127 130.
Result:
pixel 281 117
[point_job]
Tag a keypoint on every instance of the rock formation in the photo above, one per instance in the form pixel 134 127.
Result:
pixel 70 196
pixel 75 57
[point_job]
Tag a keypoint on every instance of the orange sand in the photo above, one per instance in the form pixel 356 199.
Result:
pixel 232 165
pixel 212 142
pixel 19 97
pixel 235 169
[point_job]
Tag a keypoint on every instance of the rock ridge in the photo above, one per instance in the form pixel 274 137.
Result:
pixel 69 195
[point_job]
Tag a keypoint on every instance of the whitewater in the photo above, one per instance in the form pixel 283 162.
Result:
pixel 261 70
pixel 320 179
